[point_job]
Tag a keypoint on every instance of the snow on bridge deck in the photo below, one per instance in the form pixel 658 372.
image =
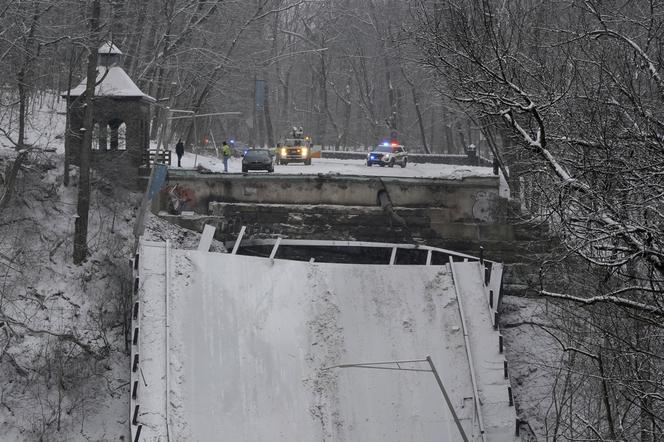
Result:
pixel 341 166
pixel 249 339
pixel 349 167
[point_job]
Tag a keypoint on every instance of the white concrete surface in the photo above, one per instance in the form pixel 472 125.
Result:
pixel 498 416
pixel 250 341
pixel 253 336
pixel 151 393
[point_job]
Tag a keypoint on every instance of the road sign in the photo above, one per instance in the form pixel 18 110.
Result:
pixel 260 94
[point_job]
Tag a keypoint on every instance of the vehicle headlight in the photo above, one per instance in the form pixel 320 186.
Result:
pixel 304 151
pixel 387 157
pixel 283 151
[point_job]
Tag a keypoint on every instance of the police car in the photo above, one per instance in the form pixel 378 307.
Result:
pixel 388 154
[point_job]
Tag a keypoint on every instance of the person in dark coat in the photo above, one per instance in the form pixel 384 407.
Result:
pixel 179 151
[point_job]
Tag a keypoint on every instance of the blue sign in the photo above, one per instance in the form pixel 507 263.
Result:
pixel 260 94
pixel 158 178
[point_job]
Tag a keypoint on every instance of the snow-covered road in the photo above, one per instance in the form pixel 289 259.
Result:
pixel 349 167
pixel 345 167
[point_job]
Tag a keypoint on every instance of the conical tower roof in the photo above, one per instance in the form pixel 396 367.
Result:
pixel 112 81
pixel 109 48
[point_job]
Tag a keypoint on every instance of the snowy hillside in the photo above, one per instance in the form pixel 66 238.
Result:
pixel 64 367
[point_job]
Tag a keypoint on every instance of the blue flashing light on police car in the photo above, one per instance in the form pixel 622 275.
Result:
pixel 388 153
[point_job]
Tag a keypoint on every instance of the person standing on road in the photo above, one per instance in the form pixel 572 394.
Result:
pixel 179 151
pixel 226 152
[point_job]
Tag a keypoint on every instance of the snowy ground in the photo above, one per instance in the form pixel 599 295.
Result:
pixel 45 125
pixel 53 389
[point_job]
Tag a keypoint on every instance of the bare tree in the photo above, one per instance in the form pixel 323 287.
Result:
pixel 578 88
pixel 83 205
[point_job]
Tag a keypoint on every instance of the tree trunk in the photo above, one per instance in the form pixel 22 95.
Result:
pixel 462 138
pixel 432 129
pixel 68 120
pixel 448 131
pixel 416 102
pixel 347 113
pixel 644 376
pixel 285 101
pixel 117 22
pixel 321 107
pixel 158 82
pixel 83 208
pixel 418 112
pixel 135 43
pixel 606 397
pixel 254 115
pixel 21 107
pixel 10 179
pixel 24 74
pixel 261 127
pixel 268 120
pixel 277 71
pixel 391 96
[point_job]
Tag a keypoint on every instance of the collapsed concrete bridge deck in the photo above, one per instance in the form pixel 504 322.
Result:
pixel 231 347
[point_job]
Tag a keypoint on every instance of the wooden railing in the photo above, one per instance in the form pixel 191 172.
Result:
pixel 151 156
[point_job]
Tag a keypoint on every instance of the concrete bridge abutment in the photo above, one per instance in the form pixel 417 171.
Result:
pixel 459 214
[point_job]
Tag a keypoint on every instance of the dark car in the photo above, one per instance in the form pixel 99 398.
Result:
pixel 388 155
pixel 257 159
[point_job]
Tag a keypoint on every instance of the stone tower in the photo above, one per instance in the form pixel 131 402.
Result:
pixel 121 119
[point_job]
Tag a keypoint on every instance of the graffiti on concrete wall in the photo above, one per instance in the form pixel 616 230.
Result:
pixel 180 198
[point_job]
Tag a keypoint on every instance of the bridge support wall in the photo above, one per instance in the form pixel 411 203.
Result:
pixel 471 199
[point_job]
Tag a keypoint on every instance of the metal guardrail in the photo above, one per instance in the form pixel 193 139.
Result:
pixel 469 355
pixel 137 376
pixel 413 157
pixel 491 275
pixel 135 426
pixel 335 243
